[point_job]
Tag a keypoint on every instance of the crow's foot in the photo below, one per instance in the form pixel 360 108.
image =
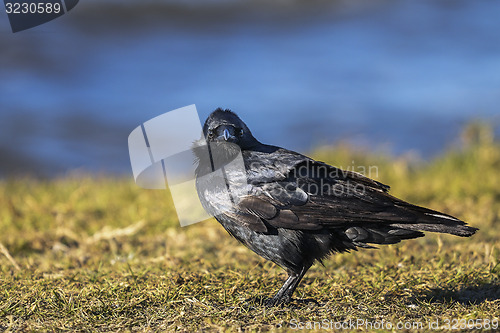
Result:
pixel 275 301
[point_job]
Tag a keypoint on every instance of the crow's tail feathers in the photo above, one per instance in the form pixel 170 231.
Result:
pixel 439 223
pixel 434 221
pixel 423 219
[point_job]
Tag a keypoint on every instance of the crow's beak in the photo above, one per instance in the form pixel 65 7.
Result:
pixel 226 134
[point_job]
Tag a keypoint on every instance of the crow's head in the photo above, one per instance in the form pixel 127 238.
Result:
pixel 224 126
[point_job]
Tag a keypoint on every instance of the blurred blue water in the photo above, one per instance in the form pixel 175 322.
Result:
pixel 398 75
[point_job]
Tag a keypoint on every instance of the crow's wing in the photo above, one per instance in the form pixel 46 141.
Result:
pixel 289 190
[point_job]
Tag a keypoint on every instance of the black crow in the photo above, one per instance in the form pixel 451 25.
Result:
pixel 293 210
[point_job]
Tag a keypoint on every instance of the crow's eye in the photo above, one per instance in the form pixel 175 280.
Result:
pixel 240 133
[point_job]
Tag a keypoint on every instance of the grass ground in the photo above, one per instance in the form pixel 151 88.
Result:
pixel 100 254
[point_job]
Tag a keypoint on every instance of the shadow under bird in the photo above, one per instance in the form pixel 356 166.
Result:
pixel 293 210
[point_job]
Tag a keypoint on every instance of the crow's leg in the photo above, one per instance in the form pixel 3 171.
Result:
pixel 284 295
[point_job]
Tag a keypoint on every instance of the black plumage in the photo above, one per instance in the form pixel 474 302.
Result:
pixel 293 210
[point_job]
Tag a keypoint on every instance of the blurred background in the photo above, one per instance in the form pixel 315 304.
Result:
pixel 391 76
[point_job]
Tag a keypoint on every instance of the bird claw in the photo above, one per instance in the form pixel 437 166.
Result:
pixel 272 302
